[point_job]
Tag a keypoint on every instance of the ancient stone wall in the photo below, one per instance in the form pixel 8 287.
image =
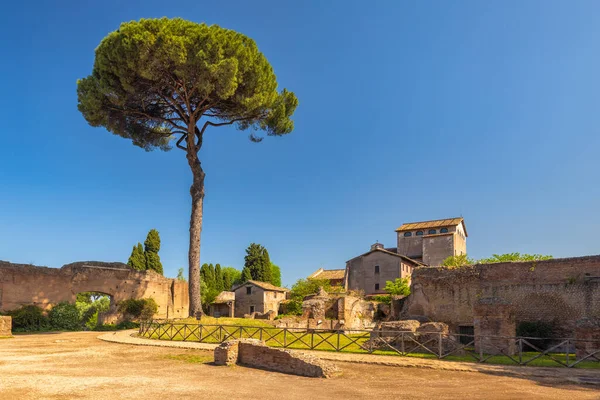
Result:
pixel 5 326
pixel 22 284
pixel 559 290
pixel 254 353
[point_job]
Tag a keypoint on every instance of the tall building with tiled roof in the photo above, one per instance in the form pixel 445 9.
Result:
pixel 431 242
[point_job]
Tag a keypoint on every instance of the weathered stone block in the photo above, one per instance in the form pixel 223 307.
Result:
pixel 495 326
pixel 227 353
pixel 5 326
pixel 587 338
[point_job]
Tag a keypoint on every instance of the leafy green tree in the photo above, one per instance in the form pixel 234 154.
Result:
pixel 304 287
pixel 399 287
pixel 275 275
pixel 458 261
pixel 219 284
pixel 246 274
pixel 207 272
pixel 180 276
pixel 160 80
pixel 510 257
pixel 258 263
pixel 137 259
pixel 231 276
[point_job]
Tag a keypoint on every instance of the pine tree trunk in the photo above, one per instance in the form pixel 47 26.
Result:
pixel 197 193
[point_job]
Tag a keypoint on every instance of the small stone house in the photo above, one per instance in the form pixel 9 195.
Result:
pixel 334 276
pixel 223 305
pixel 370 271
pixel 254 296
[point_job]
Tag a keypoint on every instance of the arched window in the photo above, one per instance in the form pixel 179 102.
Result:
pixel 444 230
pixel 407 234
pixel 419 233
pixel 432 232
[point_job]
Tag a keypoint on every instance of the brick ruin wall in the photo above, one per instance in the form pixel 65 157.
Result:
pixel 254 353
pixel 22 284
pixel 559 291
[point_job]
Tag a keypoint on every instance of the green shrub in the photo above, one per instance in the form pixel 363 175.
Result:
pixel 386 299
pixel 127 325
pixel 64 316
pixel 28 318
pixel 138 308
pixel 536 329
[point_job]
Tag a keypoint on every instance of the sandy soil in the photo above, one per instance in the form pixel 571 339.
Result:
pixel 79 366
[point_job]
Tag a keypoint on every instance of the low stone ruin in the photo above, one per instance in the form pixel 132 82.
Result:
pixel 269 315
pixel 413 337
pixel 587 339
pixel 5 326
pixel 255 353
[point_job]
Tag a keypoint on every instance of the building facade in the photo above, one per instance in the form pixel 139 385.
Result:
pixel 370 271
pixel 431 242
pixel 426 243
pixel 254 296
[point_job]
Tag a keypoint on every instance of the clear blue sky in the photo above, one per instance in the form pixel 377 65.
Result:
pixel 408 111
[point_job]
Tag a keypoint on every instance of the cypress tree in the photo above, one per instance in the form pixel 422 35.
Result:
pixel 246 274
pixel 219 283
pixel 258 263
pixel 227 281
pixel 137 259
pixel 152 247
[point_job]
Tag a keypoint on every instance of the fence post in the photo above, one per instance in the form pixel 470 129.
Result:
pixel 260 330
pixel 520 341
pixel 284 337
pixel 440 345
pixel 338 340
pixel 402 348
pixel 312 338
pixel 568 351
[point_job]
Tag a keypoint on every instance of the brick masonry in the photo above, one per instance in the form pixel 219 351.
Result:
pixel 494 318
pixel 560 291
pixel 5 326
pixel 254 353
pixel 587 343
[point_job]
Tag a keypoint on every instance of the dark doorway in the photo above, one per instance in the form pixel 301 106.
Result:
pixel 467 333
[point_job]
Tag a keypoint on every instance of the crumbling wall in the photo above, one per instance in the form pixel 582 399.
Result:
pixel 22 284
pixel 254 353
pixel 558 291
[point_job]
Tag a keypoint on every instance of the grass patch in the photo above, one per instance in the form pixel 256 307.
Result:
pixel 6 337
pixel 192 358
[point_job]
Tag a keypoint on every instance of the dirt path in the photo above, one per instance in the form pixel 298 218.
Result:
pixel 79 366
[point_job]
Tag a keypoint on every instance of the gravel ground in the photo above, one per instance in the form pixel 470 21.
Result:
pixel 79 366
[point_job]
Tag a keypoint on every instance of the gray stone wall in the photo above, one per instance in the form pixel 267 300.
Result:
pixel 559 291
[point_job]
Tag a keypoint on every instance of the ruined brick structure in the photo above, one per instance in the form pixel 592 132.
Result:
pixel 559 291
pixel 254 353
pixel 22 284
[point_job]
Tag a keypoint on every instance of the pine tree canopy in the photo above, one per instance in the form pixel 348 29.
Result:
pixel 154 76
